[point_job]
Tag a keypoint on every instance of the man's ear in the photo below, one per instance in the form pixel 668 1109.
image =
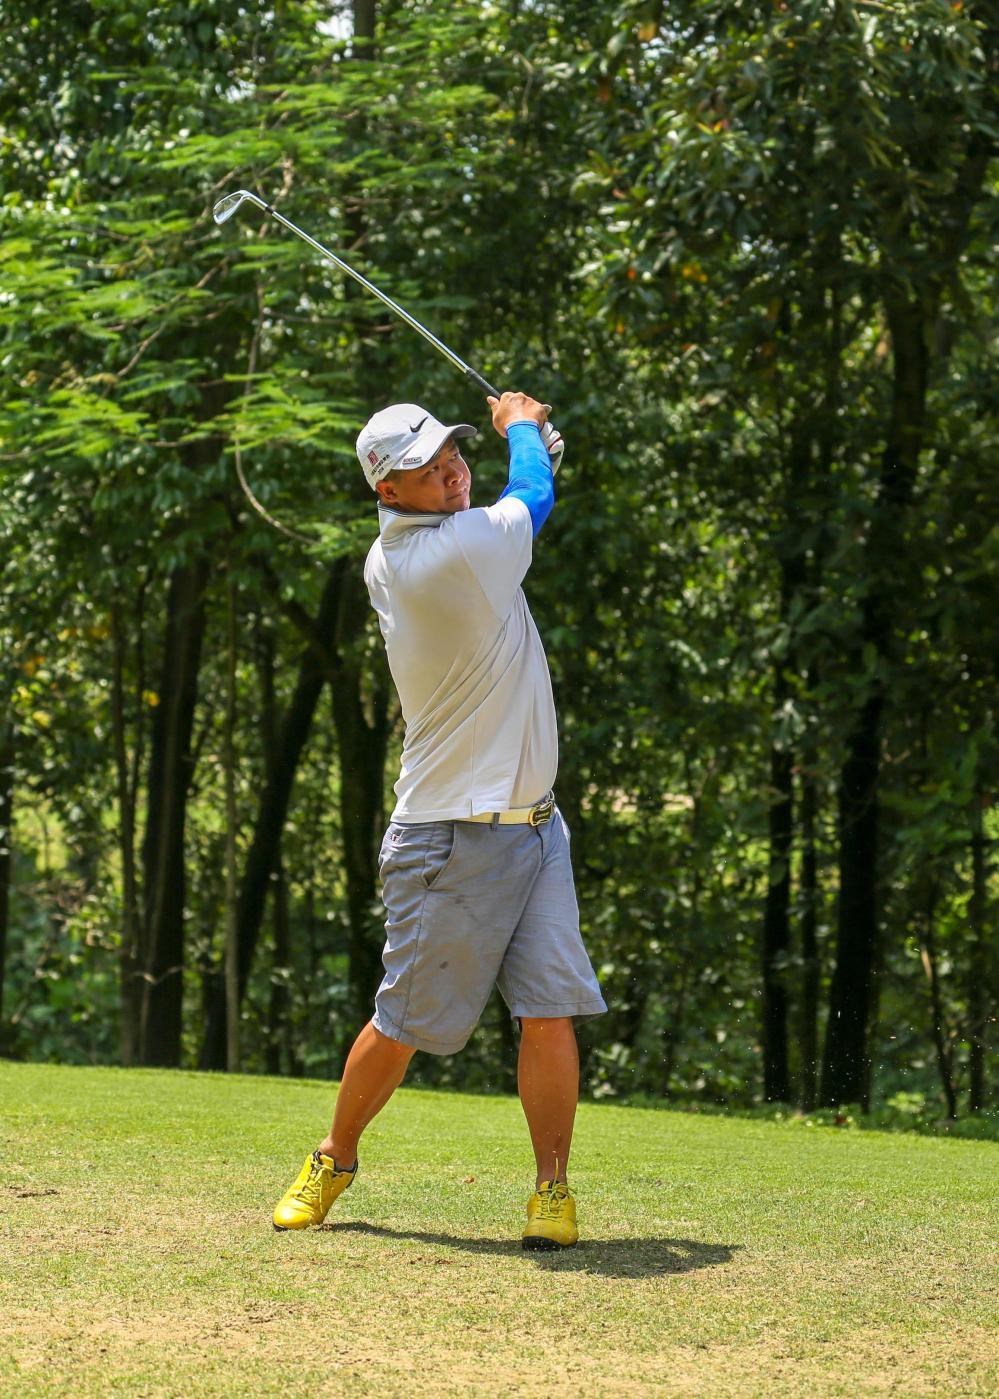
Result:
pixel 386 492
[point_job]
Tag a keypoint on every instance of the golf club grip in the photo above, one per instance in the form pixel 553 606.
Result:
pixel 548 432
pixel 482 384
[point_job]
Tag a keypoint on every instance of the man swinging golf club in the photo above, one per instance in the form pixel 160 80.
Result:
pixel 477 881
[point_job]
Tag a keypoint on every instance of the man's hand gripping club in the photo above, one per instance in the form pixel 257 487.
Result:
pixel 518 407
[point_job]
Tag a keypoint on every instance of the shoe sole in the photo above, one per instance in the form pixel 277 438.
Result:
pixel 541 1245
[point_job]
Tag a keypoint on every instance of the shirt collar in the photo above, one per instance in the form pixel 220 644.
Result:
pixel 393 523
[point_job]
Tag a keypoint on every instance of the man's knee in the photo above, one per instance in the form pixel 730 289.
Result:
pixel 389 1046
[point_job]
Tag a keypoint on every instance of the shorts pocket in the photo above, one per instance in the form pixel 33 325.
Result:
pixel 441 845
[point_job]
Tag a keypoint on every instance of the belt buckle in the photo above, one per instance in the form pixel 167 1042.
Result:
pixel 542 813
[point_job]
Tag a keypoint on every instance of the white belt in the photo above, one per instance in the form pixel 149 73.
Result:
pixel 535 815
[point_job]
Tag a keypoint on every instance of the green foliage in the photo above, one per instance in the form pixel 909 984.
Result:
pixel 61 993
pixel 688 228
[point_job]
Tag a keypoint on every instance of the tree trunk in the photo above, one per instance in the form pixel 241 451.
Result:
pixel 776 916
pixel 278 1036
pixel 776 931
pixel 314 669
pixel 6 845
pixel 846 1064
pixel 170 771
pixel 364 28
pixel 912 321
pixel 232 989
pixel 130 984
pixel 361 744
pixel 361 740
pixel 931 966
pixel 978 968
pixel 278 1003
pixel 810 971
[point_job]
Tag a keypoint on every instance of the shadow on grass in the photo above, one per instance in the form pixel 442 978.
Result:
pixel 613 1258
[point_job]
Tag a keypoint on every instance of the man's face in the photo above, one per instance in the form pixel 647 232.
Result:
pixel 442 486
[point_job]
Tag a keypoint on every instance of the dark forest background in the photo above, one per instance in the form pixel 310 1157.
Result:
pixel 747 250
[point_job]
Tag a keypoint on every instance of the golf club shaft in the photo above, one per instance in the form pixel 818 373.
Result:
pixel 226 207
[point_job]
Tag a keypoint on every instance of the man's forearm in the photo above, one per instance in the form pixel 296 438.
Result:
pixel 530 476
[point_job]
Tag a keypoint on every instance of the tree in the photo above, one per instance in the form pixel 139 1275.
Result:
pixel 726 186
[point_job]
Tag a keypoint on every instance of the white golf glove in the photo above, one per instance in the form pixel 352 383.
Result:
pixel 554 441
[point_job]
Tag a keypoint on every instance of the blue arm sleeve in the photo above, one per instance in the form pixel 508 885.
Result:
pixel 530 477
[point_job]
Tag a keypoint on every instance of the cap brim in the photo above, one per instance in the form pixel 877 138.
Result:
pixel 429 444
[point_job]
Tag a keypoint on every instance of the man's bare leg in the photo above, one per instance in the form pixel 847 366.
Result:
pixel 375 1067
pixel 548 1081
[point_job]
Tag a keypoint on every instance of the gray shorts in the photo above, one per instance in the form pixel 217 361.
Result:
pixel 471 906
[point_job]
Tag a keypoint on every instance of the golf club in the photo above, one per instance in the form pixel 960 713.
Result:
pixel 229 205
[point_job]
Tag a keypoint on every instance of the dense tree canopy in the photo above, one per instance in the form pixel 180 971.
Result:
pixel 747 251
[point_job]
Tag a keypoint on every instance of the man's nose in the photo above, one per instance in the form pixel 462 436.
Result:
pixel 454 469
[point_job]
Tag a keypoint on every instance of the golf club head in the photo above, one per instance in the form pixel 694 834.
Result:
pixel 226 207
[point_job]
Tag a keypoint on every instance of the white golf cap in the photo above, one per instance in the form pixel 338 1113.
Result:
pixel 402 437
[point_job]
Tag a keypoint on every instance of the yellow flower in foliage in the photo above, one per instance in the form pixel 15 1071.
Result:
pixel 31 665
pixel 693 272
pixel 151 698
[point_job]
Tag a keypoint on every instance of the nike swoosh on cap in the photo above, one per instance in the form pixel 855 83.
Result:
pixel 419 424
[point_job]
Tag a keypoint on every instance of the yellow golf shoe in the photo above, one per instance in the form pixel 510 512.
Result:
pixel 551 1217
pixel 319 1183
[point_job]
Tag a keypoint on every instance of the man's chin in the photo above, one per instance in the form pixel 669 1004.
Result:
pixel 458 503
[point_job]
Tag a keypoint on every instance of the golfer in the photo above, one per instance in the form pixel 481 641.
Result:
pixel 475 869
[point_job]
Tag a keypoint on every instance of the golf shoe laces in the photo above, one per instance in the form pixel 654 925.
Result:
pixel 553 1196
pixel 309 1192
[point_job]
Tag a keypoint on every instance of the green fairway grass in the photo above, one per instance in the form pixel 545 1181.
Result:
pixel 718 1257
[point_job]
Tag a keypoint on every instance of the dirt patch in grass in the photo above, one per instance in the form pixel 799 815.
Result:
pixel 174 1352
pixel 186 1355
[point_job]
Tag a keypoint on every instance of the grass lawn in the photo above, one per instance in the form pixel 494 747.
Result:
pixel 718 1257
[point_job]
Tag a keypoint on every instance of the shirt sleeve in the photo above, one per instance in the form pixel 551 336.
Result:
pixel 530 478
pixel 496 543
